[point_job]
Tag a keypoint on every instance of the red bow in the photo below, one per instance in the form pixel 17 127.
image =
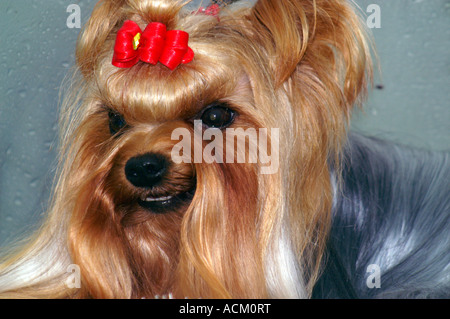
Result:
pixel 154 45
pixel 212 10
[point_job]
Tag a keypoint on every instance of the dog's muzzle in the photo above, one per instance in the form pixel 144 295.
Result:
pixel 147 172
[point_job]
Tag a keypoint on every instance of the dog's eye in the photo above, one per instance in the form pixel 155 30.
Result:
pixel 116 122
pixel 218 116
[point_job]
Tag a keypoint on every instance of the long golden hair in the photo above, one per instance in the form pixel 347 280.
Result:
pixel 297 65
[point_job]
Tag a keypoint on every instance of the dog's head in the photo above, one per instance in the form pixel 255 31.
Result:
pixel 210 178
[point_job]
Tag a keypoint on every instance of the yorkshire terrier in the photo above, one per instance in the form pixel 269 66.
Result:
pixel 205 154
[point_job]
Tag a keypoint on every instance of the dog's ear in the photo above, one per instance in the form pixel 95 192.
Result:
pixel 325 36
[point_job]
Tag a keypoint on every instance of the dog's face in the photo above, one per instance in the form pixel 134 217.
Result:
pixel 148 192
pixel 159 202
pixel 147 176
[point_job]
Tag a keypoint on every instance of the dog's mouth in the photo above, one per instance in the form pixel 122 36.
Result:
pixel 162 204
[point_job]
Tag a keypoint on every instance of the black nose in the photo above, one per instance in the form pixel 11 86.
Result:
pixel 146 170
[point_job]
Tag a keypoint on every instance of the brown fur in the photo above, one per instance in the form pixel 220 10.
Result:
pixel 297 65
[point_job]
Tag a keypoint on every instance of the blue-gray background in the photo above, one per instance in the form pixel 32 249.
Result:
pixel 36 51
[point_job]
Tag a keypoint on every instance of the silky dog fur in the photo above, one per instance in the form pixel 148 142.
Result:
pixel 337 203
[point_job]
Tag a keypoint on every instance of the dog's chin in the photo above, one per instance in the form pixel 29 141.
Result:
pixel 166 203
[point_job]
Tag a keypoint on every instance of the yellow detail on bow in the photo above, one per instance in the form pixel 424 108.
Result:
pixel 136 40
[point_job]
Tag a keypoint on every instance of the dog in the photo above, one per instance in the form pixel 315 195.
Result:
pixel 151 200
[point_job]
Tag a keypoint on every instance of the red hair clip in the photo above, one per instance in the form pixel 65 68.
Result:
pixel 212 10
pixel 154 45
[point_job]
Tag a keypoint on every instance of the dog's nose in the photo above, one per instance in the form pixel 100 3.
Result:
pixel 146 170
